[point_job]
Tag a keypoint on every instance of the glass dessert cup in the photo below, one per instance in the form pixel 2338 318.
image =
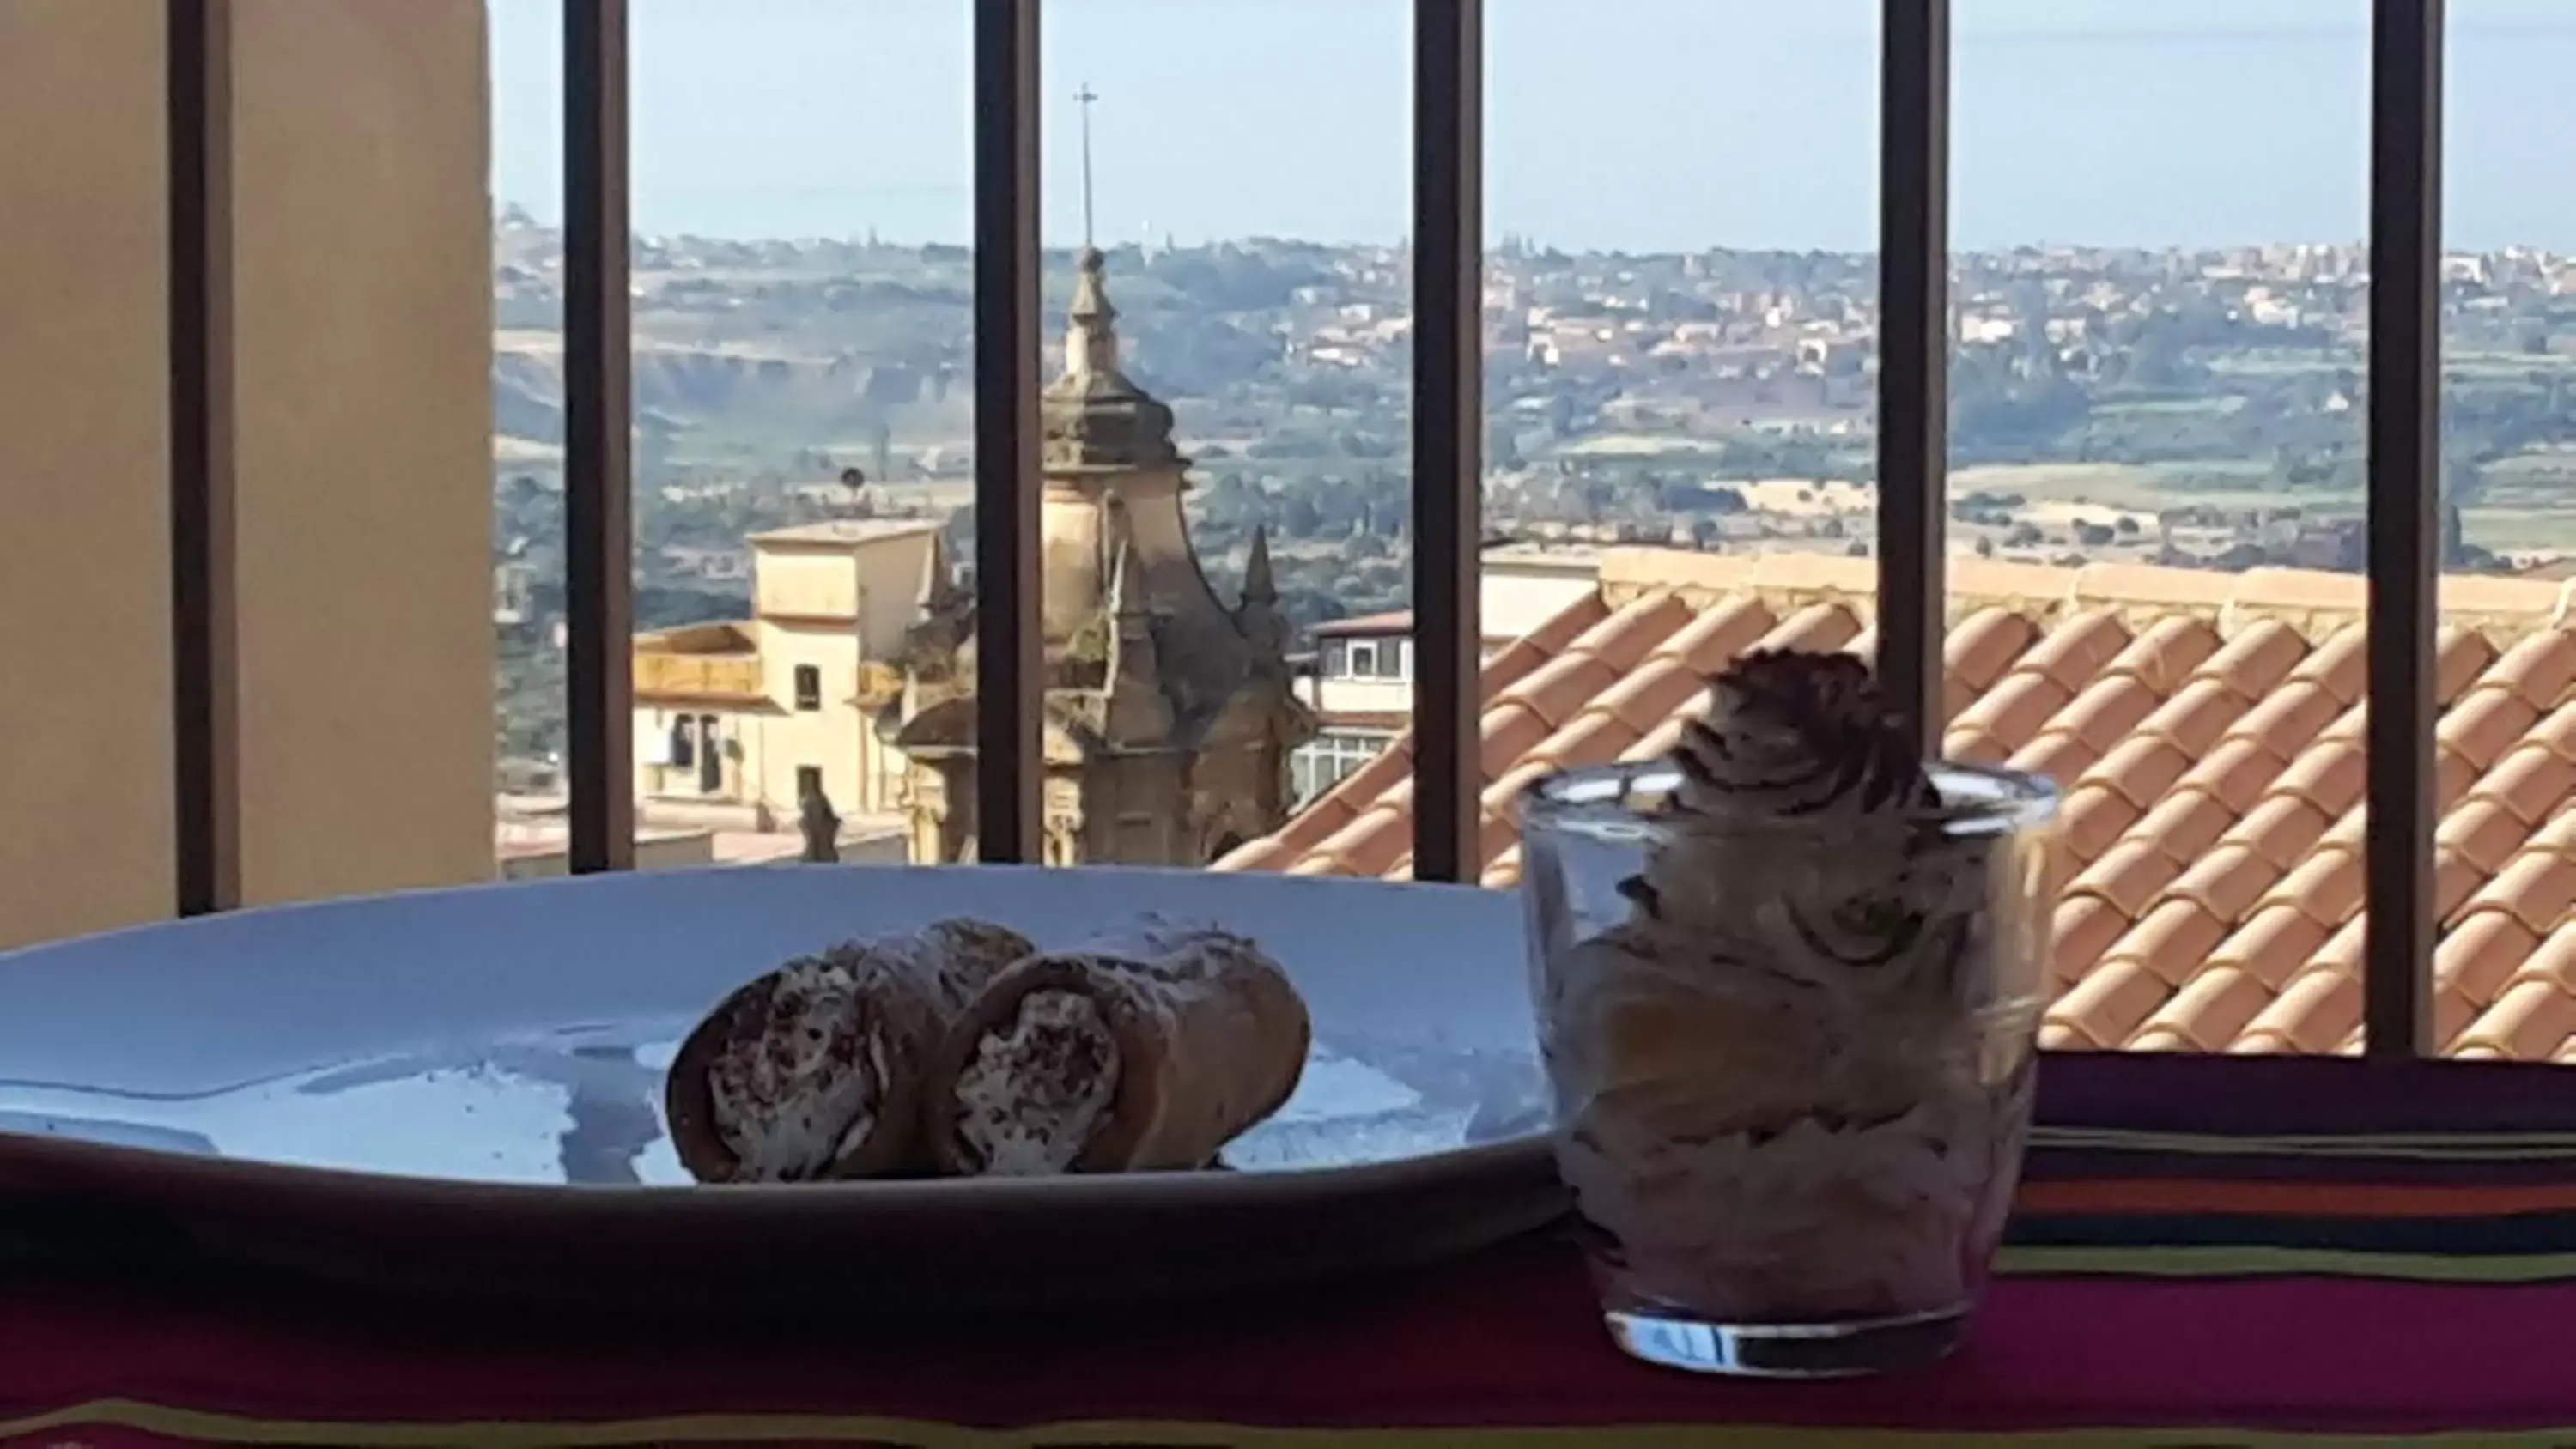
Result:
pixel 1792 1059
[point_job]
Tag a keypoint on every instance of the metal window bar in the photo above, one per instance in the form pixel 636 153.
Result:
pixel 1010 690
pixel 1448 433
pixel 204 701
pixel 599 570
pixel 2405 435
pixel 1913 356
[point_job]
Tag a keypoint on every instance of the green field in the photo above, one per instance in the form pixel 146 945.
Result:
pixel 2170 407
pixel 1638 445
pixel 2134 487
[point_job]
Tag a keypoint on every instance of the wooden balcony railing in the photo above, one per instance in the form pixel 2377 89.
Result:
pixel 696 676
pixel 1447 159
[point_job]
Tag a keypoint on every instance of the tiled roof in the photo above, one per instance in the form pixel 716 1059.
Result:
pixel 2207 730
pixel 1397 621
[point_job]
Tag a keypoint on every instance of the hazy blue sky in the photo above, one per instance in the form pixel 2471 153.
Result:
pixel 1647 124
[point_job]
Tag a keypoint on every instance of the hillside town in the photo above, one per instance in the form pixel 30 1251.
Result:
pixel 2191 409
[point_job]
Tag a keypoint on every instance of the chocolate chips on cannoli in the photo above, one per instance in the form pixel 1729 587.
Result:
pixel 1137 1054
pixel 815 1069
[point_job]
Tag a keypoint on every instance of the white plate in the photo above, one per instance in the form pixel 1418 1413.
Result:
pixel 479 1071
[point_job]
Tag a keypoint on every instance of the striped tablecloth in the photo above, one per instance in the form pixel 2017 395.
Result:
pixel 2209 1252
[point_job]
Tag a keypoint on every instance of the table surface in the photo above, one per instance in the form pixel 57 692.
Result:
pixel 2209 1250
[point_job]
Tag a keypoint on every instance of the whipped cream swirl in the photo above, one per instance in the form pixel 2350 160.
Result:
pixel 1791 734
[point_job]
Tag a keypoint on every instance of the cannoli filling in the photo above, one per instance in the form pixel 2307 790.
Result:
pixel 796 1084
pixel 1039 1086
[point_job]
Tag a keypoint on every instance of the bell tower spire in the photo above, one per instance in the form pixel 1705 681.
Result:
pixel 1086 96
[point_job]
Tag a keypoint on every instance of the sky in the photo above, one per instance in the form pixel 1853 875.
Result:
pixel 1644 125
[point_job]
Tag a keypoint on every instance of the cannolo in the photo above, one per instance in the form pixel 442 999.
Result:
pixel 1149 1052
pixel 814 1070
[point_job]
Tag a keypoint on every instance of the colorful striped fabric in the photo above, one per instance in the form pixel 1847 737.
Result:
pixel 2211 1251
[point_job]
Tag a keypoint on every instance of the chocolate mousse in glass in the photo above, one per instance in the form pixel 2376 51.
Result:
pixel 1787 985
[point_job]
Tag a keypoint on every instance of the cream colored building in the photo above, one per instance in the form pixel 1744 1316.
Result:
pixel 360 453
pixel 806 692
pixel 1361 687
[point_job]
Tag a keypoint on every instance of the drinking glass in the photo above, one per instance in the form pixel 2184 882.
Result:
pixel 1792 1060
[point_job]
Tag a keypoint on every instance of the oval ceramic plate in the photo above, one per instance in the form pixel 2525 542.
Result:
pixel 459 1092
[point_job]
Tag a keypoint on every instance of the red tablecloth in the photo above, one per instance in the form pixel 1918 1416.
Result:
pixel 2234 1276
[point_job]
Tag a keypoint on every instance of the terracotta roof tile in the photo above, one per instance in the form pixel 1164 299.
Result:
pixel 2234 773
pixel 2208 729
pixel 2552 960
pixel 1507 732
pixel 2086 927
pixel 2012 712
pixel 2272 944
pixel 2529 1021
pixel 1816 627
pixel 2260 656
pixel 2489 720
pixel 1651 695
pixel 1556 689
pixel 1985 644
pixel 2312 1014
pixel 1592 739
pixel 2225 883
pixel 2460 656
pixel 2208 1013
pixel 2173 939
pixel 2186 822
pixel 2528 783
pixel 1705 643
pixel 2196 716
pixel 2326 887
pixel 2538 668
pixel 2341 665
pixel 2109 1002
pixel 2489 948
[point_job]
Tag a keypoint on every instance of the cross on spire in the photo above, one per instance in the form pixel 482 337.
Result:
pixel 1086 96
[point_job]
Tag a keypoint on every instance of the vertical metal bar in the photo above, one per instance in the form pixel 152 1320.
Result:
pixel 599 570
pixel 1448 431
pixel 1010 691
pixel 1913 356
pixel 2405 478
pixel 205 715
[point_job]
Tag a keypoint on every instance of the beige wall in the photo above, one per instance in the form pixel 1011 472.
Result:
pixel 1365 696
pixel 894 576
pixel 1516 595
pixel 362 297
pixel 811 582
pixel 85 812
pixel 829 736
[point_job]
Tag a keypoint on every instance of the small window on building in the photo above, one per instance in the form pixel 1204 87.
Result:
pixel 1337 659
pixel 684 744
pixel 1363 658
pixel 809 687
pixel 1326 760
pixel 1390 659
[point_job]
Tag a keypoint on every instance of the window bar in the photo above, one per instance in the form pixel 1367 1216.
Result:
pixel 205 676
pixel 1010 690
pixel 1913 356
pixel 599 570
pixel 1448 432
pixel 2405 422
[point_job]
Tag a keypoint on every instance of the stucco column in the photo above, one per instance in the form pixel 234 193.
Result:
pixel 361 453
